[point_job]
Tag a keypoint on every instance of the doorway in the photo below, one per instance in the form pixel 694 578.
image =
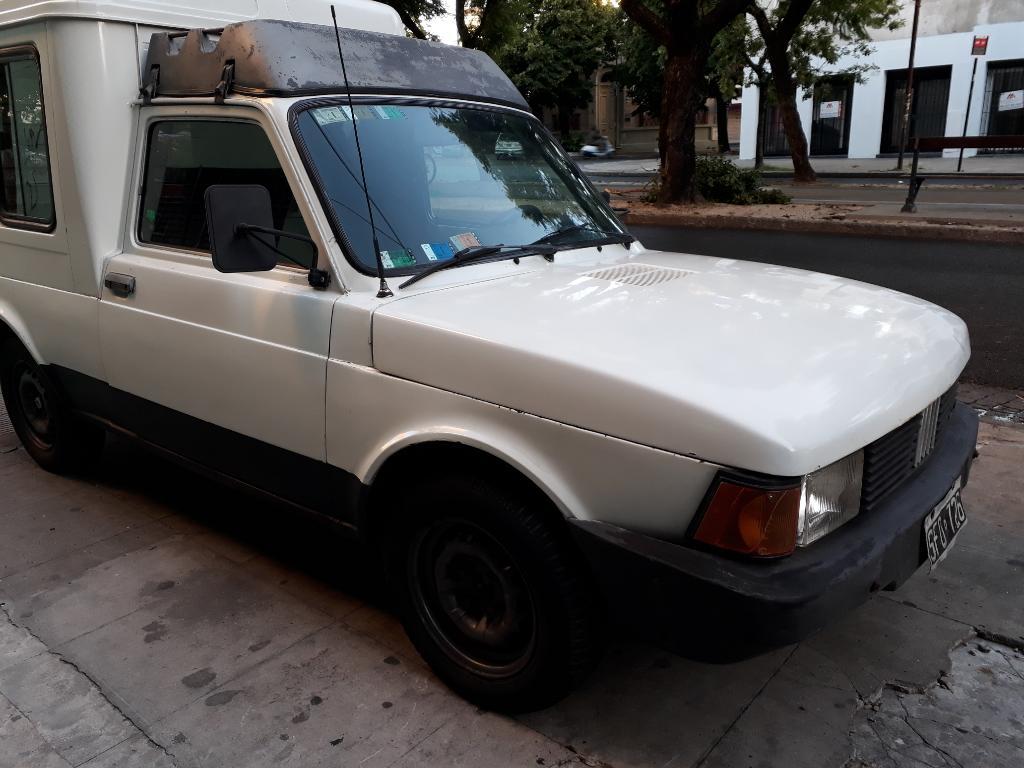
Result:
pixel 830 120
pixel 931 102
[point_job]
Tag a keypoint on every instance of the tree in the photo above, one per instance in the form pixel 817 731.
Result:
pixel 725 71
pixel 799 36
pixel 414 12
pixel 686 29
pixel 553 61
pixel 490 25
pixel 640 67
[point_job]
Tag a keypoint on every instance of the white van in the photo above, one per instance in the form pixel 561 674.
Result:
pixel 539 423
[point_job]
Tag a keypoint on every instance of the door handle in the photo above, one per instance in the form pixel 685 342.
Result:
pixel 120 285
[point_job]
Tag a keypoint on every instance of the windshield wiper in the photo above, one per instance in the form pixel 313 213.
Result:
pixel 474 252
pixel 620 237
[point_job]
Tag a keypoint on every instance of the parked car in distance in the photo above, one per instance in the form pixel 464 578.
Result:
pixel 389 300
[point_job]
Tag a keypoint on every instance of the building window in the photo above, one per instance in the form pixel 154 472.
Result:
pixel 186 157
pixel 27 193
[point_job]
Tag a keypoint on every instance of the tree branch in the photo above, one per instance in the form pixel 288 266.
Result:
pixel 460 24
pixel 651 22
pixel 411 23
pixel 718 18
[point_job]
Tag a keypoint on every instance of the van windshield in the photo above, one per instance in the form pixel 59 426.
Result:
pixel 445 178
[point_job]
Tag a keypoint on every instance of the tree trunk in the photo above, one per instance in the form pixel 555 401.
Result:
pixel 785 94
pixel 680 101
pixel 722 117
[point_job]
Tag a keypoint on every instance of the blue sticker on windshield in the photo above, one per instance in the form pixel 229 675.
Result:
pixel 437 251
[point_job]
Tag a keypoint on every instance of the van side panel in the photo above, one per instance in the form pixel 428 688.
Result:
pixel 38 298
pixel 95 79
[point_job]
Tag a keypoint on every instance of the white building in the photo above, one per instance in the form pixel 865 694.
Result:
pixel 861 120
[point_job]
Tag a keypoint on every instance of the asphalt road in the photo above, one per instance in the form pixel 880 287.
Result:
pixel 983 284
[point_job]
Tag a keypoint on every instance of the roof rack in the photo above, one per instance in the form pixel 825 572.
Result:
pixel 286 58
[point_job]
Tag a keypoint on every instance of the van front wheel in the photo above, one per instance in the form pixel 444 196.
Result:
pixel 491 592
pixel 57 440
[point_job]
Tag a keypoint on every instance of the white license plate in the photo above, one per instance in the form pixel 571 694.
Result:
pixel 943 524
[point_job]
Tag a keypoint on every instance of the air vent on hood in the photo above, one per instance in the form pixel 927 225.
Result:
pixel 642 275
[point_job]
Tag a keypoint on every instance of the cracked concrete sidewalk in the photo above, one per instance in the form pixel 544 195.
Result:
pixel 153 619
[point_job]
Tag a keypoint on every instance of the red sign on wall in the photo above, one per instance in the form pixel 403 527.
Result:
pixel 980 45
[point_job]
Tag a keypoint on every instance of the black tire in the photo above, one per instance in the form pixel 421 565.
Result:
pixel 52 435
pixel 491 591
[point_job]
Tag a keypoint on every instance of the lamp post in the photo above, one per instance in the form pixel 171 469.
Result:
pixel 908 106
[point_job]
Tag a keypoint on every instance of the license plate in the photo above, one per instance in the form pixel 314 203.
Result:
pixel 943 524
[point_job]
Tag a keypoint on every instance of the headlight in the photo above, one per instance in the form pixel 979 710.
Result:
pixel 829 498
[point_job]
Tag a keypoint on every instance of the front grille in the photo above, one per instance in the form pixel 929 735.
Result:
pixel 890 460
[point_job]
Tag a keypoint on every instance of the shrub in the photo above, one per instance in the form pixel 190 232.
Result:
pixel 721 181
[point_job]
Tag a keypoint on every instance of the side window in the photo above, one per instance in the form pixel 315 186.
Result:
pixel 185 157
pixel 27 190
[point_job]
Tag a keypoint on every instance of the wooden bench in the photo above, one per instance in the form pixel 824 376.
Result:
pixel 939 143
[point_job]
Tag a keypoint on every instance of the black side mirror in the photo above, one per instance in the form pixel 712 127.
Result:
pixel 231 210
pixel 242 234
pixel 607 196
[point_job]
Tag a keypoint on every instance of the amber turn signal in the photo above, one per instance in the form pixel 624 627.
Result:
pixel 751 521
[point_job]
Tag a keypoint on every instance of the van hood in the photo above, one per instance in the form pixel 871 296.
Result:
pixel 754 366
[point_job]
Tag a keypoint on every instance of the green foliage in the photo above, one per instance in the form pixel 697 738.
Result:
pixel 720 181
pixel 415 12
pixel 831 30
pixel 641 63
pixel 553 59
pixel 573 142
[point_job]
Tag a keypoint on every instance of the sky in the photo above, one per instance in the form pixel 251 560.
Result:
pixel 444 26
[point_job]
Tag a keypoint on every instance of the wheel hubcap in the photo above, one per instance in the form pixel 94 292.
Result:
pixel 473 598
pixel 34 405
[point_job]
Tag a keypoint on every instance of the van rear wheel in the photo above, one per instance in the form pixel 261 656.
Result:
pixel 51 434
pixel 491 592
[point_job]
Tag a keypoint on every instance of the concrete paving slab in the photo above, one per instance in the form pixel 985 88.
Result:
pixel 490 740
pixel 16 644
pixel 886 640
pixel 974 716
pixel 191 620
pixel 646 707
pixel 68 711
pixel 340 698
pixel 136 752
pixel 21 745
pixel 49 591
pixel 814 697
pixel 59 525
pixel 320 593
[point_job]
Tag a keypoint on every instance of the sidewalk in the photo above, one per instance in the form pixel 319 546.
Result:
pixel 1002 165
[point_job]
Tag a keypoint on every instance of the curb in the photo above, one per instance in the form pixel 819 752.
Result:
pixel 921 229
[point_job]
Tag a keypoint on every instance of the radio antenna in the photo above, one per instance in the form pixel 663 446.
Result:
pixel 385 291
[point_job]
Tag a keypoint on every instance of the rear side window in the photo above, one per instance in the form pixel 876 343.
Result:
pixel 185 157
pixel 24 153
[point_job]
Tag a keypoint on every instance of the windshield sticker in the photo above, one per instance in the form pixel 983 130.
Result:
pixel 329 115
pixel 397 259
pixel 388 113
pixel 465 240
pixel 437 251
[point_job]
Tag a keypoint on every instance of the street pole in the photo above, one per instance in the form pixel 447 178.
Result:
pixel 967 115
pixel 909 105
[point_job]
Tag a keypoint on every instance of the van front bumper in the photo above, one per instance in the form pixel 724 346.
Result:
pixel 737 607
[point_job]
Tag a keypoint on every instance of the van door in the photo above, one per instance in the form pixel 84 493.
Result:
pixel 228 370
